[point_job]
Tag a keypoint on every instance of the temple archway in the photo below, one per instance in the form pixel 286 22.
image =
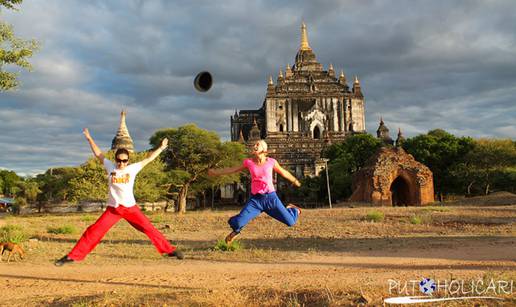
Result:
pixel 317 133
pixel 400 192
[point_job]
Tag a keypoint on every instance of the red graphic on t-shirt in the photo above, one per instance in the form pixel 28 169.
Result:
pixel 121 179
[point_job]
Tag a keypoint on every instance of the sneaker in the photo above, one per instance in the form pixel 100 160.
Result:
pixel 63 261
pixel 231 237
pixel 294 206
pixel 177 253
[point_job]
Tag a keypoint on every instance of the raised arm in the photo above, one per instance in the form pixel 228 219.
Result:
pixel 153 155
pixel 94 148
pixel 226 171
pixel 286 174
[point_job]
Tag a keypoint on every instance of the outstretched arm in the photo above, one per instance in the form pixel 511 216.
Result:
pixel 286 174
pixel 226 171
pixel 153 155
pixel 94 148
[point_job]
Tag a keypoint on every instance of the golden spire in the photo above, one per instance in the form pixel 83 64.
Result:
pixel 304 38
pixel 356 80
pixel 342 74
pixel 331 67
pixel 270 80
pixel 122 138
pixel 280 74
pixel 122 129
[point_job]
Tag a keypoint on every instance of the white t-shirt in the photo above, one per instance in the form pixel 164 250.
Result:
pixel 121 183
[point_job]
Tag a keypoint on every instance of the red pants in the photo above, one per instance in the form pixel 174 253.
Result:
pixel 92 236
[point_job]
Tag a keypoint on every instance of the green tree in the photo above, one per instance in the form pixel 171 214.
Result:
pixel 13 51
pixel 30 190
pixel 442 152
pixel 151 181
pixel 192 151
pixel 488 158
pixel 356 149
pixel 345 159
pixel 54 184
pixel 11 182
pixel 90 183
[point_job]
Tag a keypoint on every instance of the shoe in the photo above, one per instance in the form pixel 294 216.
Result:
pixel 231 237
pixel 177 253
pixel 63 261
pixel 294 206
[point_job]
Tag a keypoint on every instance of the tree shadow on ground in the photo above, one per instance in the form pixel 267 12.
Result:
pixel 86 281
pixel 441 247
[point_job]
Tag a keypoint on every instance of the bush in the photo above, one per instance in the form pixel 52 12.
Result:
pixel 13 233
pixel 66 229
pixel 416 220
pixel 157 219
pixel 375 216
pixel 223 246
pixel 88 218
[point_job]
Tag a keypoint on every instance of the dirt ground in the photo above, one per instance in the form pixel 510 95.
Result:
pixel 330 258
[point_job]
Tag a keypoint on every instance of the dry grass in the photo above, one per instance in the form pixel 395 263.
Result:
pixel 322 239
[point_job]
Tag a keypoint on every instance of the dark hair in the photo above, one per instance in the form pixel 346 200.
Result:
pixel 121 151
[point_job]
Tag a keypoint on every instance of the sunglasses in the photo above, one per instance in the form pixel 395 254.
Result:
pixel 122 160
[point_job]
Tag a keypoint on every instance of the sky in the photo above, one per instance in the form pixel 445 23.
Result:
pixel 422 65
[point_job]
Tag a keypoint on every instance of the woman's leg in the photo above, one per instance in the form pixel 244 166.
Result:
pixel 92 236
pixel 251 210
pixel 138 220
pixel 277 210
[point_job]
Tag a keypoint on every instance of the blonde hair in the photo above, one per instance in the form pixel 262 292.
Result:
pixel 263 145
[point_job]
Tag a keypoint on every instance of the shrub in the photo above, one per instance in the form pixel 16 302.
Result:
pixel 416 220
pixel 88 218
pixel 223 246
pixel 66 229
pixel 12 233
pixel 375 216
pixel 435 209
pixel 157 219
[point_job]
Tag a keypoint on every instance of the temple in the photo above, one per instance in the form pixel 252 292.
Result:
pixel 306 109
pixel 122 138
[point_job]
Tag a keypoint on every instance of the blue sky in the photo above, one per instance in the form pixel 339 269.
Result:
pixel 422 65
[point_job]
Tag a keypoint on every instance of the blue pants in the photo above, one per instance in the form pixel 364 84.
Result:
pixel 268 203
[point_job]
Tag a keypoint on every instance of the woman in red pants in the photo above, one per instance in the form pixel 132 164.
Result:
pixel 121 204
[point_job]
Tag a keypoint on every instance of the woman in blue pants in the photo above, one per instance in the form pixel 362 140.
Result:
pixel 264 198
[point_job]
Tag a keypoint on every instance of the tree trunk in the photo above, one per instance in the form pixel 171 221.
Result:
pixel 212 197
pixel 469 187
pixel 182 199
pixel 487 189
pixel 487 183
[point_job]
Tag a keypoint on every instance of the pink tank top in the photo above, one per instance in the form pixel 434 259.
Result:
pixel 261 176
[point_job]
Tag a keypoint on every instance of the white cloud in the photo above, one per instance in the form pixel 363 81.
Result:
pixel 443 65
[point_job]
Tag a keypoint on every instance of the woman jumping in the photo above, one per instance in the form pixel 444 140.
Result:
pixel 264 198
pixel 121 204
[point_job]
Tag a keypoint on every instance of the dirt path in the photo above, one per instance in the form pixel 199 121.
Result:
pixel 222 281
